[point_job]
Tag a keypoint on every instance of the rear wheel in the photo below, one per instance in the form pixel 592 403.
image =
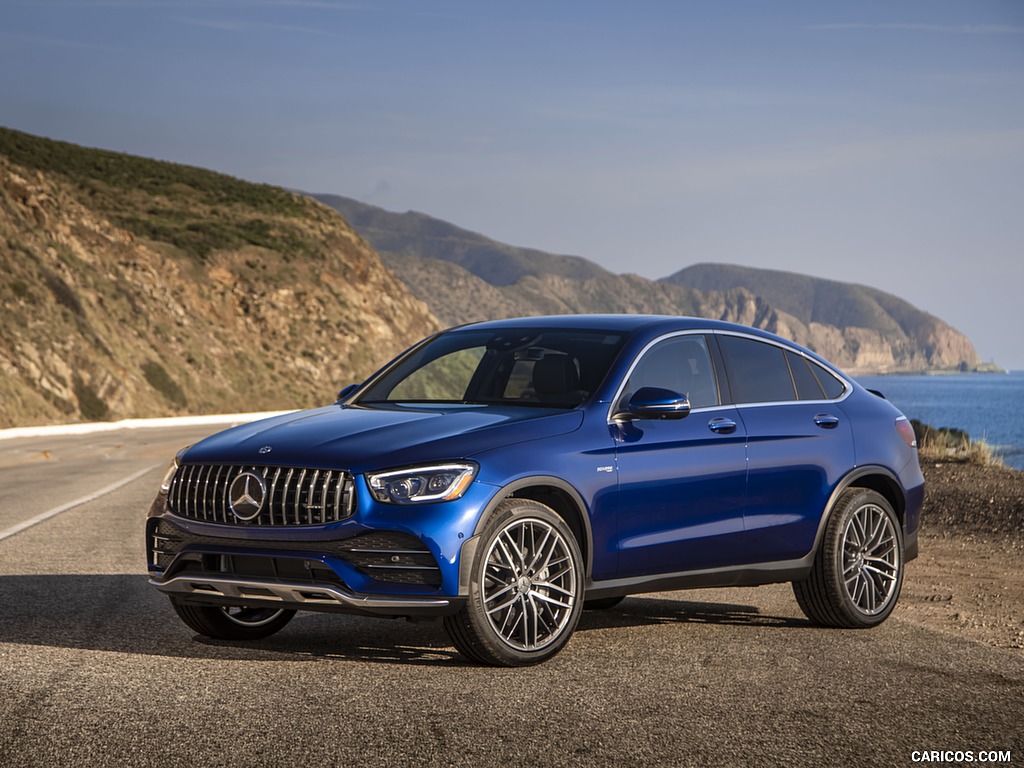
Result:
pixel 525 589
pixel 232 623
pixel 858 571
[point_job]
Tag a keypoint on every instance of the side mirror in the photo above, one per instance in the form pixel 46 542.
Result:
pixel 655 403
pixel 346 391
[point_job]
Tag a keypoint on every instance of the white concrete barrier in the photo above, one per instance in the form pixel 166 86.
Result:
pixel 112 426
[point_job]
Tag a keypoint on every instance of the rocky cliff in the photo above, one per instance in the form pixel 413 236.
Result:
pixel 136 288
pixel 866 329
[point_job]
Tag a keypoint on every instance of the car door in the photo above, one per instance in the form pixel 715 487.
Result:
pixel 681 482
pixel 799 443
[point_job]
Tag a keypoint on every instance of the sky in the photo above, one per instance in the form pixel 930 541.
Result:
pixel 880 143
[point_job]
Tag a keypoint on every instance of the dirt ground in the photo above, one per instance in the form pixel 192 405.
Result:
pixel 969 577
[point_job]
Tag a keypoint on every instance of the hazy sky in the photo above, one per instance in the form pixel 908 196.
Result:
pixel 873 142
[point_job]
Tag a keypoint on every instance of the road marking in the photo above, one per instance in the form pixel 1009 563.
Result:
pixel 76 503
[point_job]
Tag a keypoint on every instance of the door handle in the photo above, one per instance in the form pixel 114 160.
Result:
pixel 722 426
pixel 826 421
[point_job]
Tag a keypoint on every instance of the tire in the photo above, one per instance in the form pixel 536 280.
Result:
pixel 858 571
pixel 602 603
pixel 234 623
pixel 525 590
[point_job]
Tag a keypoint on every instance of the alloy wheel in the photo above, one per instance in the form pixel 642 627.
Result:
pixel 530 584
pixel 870 559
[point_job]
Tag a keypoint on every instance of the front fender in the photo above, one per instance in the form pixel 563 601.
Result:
pixel 554 492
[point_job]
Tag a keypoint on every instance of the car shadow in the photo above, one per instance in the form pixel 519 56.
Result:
pixel 640 611
pixel 122 613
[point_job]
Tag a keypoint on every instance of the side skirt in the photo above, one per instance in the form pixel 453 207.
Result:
pixel 740 576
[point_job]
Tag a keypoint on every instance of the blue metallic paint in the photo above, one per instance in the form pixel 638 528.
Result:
pixel 659 498
pixel 794 466
pixel 682 494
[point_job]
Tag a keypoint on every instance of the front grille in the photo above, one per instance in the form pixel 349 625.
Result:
pixel 386 556
pixel 294 495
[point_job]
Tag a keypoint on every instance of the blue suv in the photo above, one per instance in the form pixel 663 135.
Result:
pixel 505 476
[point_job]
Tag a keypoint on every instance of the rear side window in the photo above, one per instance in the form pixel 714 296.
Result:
pixel 830 385
pixel 807 386
pixel 813 382
pixel 758 372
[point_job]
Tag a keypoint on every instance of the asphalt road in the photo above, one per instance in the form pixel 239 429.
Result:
pixel 95 669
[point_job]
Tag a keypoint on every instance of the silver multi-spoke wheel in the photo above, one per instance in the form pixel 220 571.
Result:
pixel 858 568
pixel 530 585
pixel 871 564
pixel 525 588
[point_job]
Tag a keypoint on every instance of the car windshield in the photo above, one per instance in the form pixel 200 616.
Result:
pixel 556 367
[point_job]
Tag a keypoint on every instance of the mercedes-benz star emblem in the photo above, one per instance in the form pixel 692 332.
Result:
pixel 246 494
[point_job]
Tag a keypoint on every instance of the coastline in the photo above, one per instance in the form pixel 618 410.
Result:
pixel 982 370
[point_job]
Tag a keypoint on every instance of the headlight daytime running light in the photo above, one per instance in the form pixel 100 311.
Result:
pixel 419 485
pixel 165 484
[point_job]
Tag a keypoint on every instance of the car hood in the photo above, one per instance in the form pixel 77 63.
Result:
pixel 360 439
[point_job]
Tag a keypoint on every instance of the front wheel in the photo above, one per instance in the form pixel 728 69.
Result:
pixel 858 571
pixel 234 623
pixel 525 591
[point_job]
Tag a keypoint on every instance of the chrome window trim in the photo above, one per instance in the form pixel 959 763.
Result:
pixel 847 386
pixel 647 347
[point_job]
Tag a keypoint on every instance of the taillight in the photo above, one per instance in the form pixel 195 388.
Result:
pixel 906 430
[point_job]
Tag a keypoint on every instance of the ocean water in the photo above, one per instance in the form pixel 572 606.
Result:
pixel 988 406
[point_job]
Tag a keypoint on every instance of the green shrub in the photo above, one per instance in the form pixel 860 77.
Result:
pixel 19 289
pixel 90 405
pixel 162 382
pixel 64 294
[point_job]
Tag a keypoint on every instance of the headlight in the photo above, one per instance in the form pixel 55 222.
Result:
pixel 165 484
pixel 436 482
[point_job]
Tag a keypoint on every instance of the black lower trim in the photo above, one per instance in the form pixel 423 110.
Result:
pixel 390 557
pixel 740 576
pixel 206 589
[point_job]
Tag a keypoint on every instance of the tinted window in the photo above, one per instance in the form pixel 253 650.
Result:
pixel 681 364
pixel 832 386
pixel 758 372
pixel 807 386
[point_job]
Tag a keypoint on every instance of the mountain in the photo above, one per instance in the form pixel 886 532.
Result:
pixel 464 276
pixel 132 287
pixel 881 331
pixel 417 234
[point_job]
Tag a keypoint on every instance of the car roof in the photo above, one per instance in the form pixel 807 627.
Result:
pixel 616 323
pixel 642 326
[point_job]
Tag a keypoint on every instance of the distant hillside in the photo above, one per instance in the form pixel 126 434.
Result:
pixel 131 287
pixel 882 330
pixel 464 276
pixel 416 234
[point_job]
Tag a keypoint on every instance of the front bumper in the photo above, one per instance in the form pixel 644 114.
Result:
pixel 384 560
pixel 219 590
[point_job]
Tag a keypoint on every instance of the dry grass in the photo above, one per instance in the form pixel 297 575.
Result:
pixel 945 443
